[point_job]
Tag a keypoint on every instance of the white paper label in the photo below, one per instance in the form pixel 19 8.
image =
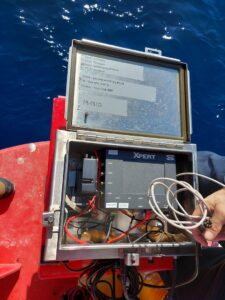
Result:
pixel 111 205
pixel 123 205
pixel 106 85
pixel 104 105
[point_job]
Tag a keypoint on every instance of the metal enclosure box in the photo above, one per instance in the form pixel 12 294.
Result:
pixel 128 122
pixel 56 249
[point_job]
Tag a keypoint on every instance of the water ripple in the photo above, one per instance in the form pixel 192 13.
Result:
pixel 34 58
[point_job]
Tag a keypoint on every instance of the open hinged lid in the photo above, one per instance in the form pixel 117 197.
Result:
pixel 118 90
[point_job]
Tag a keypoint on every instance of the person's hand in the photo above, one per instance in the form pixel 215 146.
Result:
pixel 216 204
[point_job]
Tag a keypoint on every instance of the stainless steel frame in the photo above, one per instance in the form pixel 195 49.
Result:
pixel 54 250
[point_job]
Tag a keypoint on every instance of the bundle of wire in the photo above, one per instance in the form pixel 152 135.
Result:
pixel 91 208
pixel 182 219
pixel 132 282
pixel 93 278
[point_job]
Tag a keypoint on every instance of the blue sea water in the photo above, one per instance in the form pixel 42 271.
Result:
pixel 35 37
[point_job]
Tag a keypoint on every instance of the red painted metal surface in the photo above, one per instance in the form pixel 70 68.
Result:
pixel 21 224
pixel 8 269
pixel 58 122
pixel 29 167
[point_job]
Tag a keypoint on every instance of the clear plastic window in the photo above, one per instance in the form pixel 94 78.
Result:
pixel 121 95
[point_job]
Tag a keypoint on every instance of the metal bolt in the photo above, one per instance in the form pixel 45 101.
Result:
pixel 50 219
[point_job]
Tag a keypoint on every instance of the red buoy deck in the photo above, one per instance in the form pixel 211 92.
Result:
pixel 23 275
pixel 21 226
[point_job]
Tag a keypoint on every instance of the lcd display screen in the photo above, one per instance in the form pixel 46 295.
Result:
pixel 129 173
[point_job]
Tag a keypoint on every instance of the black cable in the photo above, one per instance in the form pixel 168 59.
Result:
pixel 113 282
pixel 192 277
pixel 91 278
pixel 100 294
pixel 124 281
pixel 117 229
pixel 78 270
pixel 91 275
pixel 129 227
pixel 130 216
pixel 131 282
pixel 145 234
pixel 111 218
pixel 141 281
pixel 173 283
pixel 85 223
pixel 85 226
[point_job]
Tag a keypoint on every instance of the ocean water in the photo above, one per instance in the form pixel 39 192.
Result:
pixel 35 37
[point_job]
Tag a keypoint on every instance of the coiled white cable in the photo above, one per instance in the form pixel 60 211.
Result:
pixel 188 221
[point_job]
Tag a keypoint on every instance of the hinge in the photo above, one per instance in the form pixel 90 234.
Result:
pixel 98 137
pixel 86 136
pixel 125 139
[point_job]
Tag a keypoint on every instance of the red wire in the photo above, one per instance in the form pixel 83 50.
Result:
pixel 91 205
pixel 147 216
